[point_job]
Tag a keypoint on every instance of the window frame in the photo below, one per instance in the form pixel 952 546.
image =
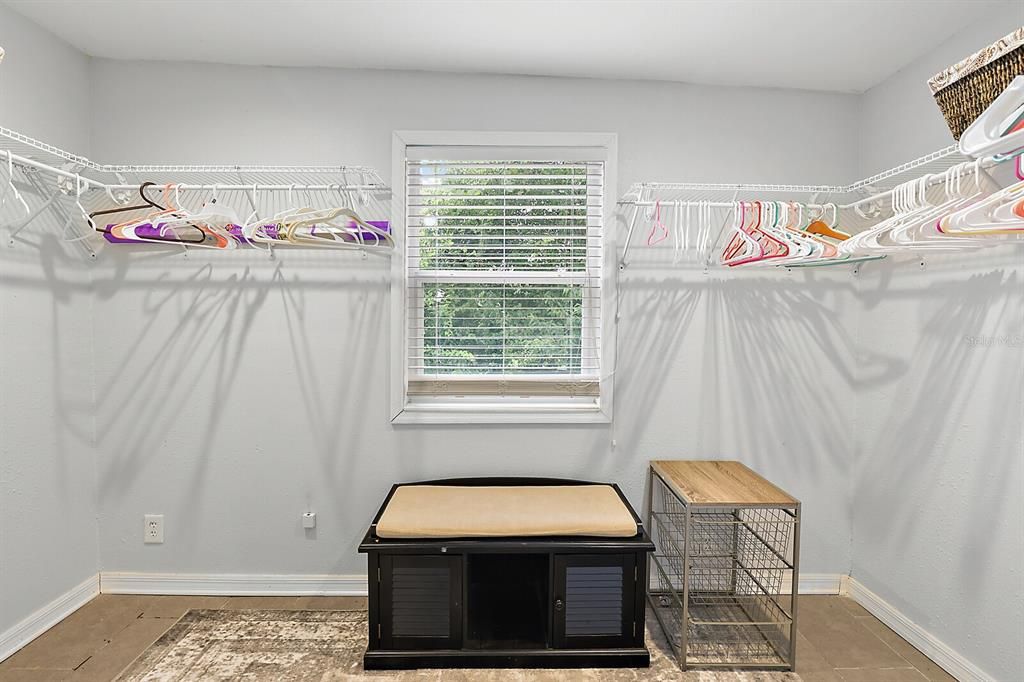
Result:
pixel 501 411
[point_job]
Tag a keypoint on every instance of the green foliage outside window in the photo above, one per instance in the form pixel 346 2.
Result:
pixel 503 219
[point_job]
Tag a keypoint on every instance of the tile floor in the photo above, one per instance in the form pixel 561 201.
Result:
pixel 838 640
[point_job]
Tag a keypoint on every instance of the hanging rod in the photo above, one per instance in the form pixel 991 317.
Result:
pixel 255 186
pixel 676 203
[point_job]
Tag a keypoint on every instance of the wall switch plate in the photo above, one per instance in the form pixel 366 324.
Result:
pixel 309 520
pixel 153 531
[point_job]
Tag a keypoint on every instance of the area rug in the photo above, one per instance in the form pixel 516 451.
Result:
pixel 327 646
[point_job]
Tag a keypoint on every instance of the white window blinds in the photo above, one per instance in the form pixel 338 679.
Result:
pixel 504 281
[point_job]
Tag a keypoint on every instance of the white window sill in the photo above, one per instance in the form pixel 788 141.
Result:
pixel 491 413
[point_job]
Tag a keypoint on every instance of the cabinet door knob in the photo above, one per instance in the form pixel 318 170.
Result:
pixel 559 605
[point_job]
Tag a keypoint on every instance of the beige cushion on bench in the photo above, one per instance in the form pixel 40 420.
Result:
pixel 432 511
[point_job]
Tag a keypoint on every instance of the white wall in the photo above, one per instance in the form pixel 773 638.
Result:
pixel 937 515
pixel 900 120
pixel 265 383
pixel 47 463
pixel 44 85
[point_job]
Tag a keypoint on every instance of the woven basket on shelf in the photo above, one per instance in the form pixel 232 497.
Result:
pixel 964 90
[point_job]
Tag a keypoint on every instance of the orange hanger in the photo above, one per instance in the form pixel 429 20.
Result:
pixel 820 228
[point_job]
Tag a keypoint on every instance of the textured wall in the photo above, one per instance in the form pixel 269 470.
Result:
pixel 271 377
pixel 899 118
pixel 47 462
pixel 937 515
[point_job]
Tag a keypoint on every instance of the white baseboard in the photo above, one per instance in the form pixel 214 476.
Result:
pixel 256 585
pixel 20 634
pixel 819 583
pixel 922 640
pixel 241 585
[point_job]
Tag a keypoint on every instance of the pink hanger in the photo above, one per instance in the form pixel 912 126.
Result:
pixel 771 246
pixel 656 226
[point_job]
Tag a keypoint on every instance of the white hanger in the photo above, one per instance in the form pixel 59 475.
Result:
pixel 987 134
pixel 79 189
pixel 751 247
pixel 921 233
pixel 988 216
pixel 12 188
pixel 215 216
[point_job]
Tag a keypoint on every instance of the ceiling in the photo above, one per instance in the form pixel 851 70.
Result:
pixel 837 45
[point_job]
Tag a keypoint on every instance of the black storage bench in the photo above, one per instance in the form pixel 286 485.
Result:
pixel 506 573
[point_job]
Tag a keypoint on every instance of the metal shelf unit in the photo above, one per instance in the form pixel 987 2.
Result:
pixel 724 572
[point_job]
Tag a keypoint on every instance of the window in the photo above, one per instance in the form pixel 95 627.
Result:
pixel 503 298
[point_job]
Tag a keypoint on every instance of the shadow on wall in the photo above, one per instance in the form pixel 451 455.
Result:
pixel 183 330
pixel 764 370
pixel 46 395
pixel 947 437
pixel 757 367
pixel 763 366
pixel 771 359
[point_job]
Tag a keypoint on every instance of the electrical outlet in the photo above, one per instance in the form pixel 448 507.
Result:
pixel 153 531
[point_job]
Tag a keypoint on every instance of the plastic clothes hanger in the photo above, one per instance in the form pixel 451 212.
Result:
pixel 739 230
pixel 741 244
pixel 678 230
pixel 825 248
pixel 337 227
pixel 659 232
pixel 980 218
pixel 998 130
pixel 147 228
pixel 115 231
pixel 769 246
pixel 979 214
pixel 773 227
pixel 176 216
pixel 11 188
pixel 80 188
pixel 215 220
pixel 811 248
pixel 922 233
pixel 772 246
pixel 820 227
pixel 334 228
pixel 869 241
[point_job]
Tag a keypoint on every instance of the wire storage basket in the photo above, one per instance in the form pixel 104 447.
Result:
pixel 966 89
pixel 721 579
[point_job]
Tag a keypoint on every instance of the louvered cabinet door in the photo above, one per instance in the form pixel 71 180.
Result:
pixel 594 601
pixel 421 602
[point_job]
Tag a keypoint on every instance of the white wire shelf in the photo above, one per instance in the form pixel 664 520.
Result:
pixel 41 156
pixel 44 180
pixel 27 147
pixel 860 204
pixel 935 163
pixel 642 192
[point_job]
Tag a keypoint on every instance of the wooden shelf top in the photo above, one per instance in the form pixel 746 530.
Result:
pixel 720 482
